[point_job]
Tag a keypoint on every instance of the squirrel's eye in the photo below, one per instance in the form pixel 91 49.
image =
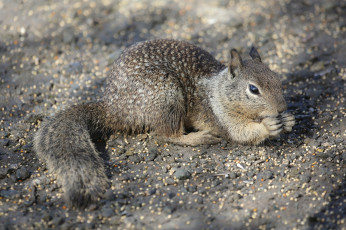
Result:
pixel 254 89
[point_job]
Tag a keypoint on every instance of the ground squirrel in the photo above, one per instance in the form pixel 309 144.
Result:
pixel 165 87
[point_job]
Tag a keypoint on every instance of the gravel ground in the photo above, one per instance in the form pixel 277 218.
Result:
pixel 57 53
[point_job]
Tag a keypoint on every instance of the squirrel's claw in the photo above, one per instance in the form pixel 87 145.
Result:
pixel 288 121
pixel 273 125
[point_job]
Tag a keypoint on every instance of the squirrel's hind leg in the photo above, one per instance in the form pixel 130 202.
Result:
pixel 170 122
pixel 194 138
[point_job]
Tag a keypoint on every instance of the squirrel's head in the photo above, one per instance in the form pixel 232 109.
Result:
pixel 253 88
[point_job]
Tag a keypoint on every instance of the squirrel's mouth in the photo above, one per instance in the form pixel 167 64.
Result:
pixel 276 115
pixel 258 119
pixel 266 114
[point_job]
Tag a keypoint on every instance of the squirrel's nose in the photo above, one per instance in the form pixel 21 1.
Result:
pixel 282 106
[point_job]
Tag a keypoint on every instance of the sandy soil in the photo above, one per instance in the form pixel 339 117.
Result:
pixel 57 53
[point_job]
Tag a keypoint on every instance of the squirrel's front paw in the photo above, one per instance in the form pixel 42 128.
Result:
pixel 288 121
pixel 273 125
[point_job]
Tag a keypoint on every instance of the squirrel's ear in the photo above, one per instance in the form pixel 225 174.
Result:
pixel 236 62
pixel 254 54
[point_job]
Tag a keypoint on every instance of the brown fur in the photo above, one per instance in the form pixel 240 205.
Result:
pixel 166 87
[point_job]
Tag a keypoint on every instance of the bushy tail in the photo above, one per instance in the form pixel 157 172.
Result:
pixel 66 143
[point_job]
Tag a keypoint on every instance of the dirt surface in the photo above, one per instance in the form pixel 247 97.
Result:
pixel 57 53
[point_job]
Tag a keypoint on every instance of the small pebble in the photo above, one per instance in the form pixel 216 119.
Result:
pixel 22 173
pixel 182 174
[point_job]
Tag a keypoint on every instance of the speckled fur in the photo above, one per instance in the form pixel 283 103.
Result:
pixel 153 86
pixel 166 87
pixel 66 143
